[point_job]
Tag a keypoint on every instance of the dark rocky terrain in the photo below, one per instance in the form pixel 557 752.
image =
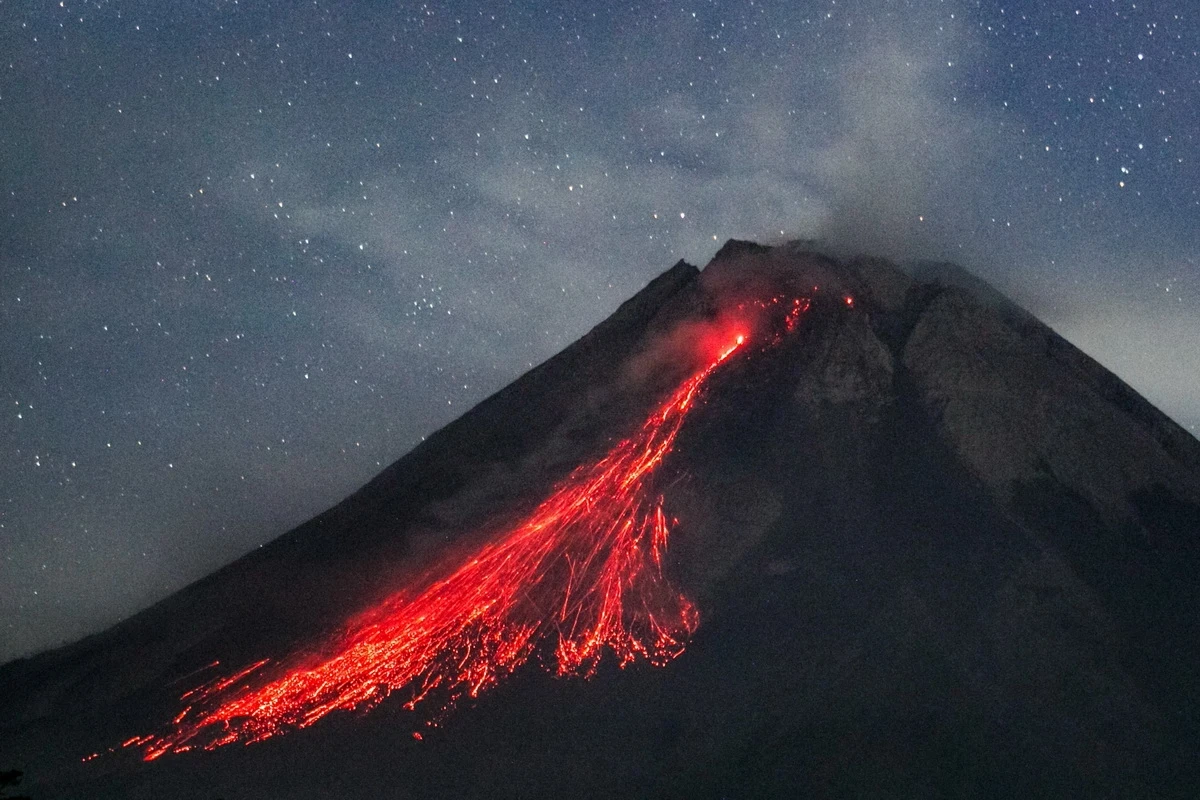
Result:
pixel 937 552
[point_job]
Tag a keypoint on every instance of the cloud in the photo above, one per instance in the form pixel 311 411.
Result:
pixel 548 212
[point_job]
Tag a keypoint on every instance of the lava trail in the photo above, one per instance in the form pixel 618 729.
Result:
pixel 581 575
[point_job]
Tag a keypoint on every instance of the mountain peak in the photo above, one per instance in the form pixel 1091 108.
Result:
pixel 734 248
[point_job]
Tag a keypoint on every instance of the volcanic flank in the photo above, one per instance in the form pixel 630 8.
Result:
pixel 787 526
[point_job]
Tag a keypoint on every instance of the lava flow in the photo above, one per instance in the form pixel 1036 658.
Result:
pixel 581 575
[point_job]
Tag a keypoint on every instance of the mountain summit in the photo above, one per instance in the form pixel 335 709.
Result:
pixel 787 526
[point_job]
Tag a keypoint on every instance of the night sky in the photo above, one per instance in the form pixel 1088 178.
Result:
pixel 250 252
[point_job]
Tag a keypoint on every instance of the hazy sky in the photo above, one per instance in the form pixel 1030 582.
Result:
pixel 252 252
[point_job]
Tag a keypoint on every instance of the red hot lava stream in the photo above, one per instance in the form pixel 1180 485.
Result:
pixel 583 573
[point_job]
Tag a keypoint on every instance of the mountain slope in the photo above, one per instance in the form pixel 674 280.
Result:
pixel 935 549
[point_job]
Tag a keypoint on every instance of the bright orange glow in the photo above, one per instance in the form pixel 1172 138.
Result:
pixel 581 576
pixel 730 348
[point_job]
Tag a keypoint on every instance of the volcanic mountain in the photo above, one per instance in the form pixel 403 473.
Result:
pixel 789 526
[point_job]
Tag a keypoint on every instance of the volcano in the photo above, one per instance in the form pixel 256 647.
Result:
pixel 793 525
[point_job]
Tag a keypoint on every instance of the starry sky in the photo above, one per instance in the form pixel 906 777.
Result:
pixel 253 252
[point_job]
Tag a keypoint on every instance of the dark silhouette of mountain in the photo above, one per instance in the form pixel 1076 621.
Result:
pixel 935 551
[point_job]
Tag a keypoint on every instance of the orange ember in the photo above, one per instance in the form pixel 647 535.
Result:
pixel 582 575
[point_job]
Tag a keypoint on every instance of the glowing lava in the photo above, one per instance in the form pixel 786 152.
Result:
pixel 580 576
